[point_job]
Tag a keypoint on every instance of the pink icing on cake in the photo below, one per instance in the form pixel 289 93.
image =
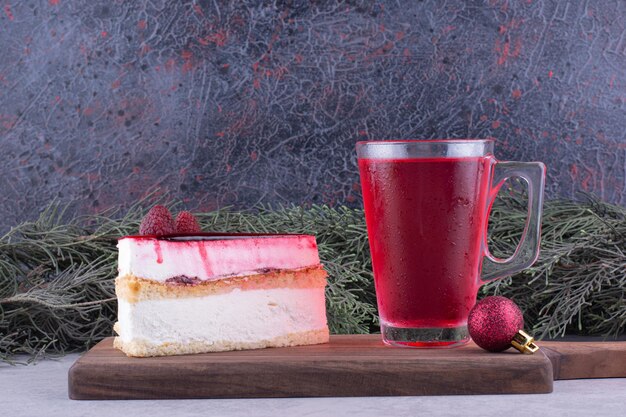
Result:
pixel 209 257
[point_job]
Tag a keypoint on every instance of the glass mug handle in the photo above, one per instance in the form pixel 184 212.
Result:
pixel 527 250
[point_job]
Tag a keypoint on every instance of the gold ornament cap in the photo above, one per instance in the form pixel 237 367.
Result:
pixel 524 342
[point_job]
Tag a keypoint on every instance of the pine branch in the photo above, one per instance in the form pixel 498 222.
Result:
pixel 56 275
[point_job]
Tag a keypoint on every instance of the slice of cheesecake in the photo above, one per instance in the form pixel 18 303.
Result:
pixel 181 294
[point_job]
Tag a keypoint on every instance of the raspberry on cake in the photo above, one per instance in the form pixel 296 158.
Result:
pixel 157 222
pixel 187 223
pixel 180 294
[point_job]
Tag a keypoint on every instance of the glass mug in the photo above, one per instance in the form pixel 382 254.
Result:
pixel 427 204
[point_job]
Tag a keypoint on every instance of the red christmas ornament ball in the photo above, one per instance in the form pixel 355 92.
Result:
pixel 493 322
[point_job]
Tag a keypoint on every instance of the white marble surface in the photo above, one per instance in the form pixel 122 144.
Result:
pixel 41 390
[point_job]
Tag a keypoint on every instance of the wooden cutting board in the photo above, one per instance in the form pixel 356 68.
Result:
pixel 352 365
pixel 355 365
pixel 576 360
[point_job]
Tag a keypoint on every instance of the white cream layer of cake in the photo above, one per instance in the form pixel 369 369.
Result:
pixel 214 258
pixel 234 320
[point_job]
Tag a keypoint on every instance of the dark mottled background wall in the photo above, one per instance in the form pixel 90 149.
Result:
pixel 238 103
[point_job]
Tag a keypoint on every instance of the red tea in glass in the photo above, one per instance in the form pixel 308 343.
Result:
pixel 426 208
